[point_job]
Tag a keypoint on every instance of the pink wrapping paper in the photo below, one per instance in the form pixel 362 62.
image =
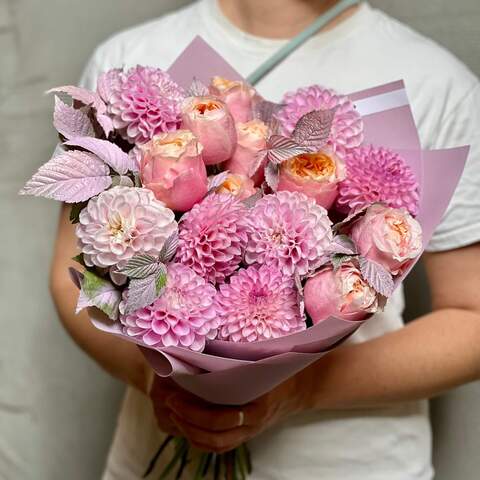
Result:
pixel 237 373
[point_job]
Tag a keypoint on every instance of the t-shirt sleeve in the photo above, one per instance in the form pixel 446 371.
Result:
pixel 460 225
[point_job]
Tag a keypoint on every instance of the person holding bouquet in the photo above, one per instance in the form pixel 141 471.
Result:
pixel 360 412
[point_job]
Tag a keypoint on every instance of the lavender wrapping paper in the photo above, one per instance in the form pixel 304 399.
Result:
pixel 237 373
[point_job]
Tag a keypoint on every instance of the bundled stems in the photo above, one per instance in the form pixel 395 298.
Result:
pixel 233 465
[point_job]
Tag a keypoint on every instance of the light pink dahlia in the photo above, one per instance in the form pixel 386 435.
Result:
pixel 290 231
pixel 142 102
pixel 347 127
pixel 377 175
pixel 122 222
pixel 213 236
pixel 184 315
pixel 259 303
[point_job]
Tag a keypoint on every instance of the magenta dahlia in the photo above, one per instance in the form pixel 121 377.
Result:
pixel 377 175
pixel 142 102
pixel 290 231
pixel 347 127
pixel 259 303
pixel 122 222
pixel 184 315
pixel 213 236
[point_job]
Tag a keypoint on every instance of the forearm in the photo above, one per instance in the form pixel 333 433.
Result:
pixel 427 357
pixel 120 358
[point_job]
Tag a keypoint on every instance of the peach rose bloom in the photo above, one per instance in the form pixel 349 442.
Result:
pixel 251 138
pixel 315 174
pixel 238 96
pixel 172 167
pixel 209 119
pixel 388 236
pixel 342 293
pixel 237 185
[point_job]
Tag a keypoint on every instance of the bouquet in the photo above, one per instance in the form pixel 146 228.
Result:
pixel 236 240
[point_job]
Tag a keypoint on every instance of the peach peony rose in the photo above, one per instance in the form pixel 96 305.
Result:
pixel 252 137
pixel 315 174
pixel 237 95
pixel 237 185
pixel 388 236
pixel 172 167
pixel 209 119
pixel 342 293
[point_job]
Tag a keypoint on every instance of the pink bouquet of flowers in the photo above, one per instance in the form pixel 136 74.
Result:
pixel 234 239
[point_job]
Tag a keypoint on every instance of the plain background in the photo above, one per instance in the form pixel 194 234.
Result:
pixel 57 409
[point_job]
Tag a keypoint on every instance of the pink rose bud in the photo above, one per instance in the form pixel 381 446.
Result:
pixel 209 119
pixel 237 95
pixel 251 138
pixel 315 174
pixel 172 167
pixel 237 185
pixel 342 293
pixel 388 236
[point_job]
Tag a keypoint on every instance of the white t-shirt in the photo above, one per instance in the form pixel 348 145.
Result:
pixel 366 50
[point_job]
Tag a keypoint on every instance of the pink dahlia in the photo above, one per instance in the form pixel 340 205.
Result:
pixel 288 230
pixel 184 315
pixel 122 222
pixel 142 102
pixel 259 303
pixel 377 175
pixel 213 236
pixel 347 127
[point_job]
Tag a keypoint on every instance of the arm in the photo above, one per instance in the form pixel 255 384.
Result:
pixel 118 357
pixel 436 352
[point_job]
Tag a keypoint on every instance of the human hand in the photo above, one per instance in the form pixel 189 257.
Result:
pixel 218 428
pixel 161 390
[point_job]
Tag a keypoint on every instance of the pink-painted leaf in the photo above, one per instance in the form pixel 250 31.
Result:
pixel 313 129
pixel 259 159
pixel 266 111
pixel 300 295
pixel 197 89
pixel 90 99
pixel 144 291
pixel 140 266
pixel 169 248
pixel 105 122
pixel 76 276
pixel 122 180
pixel 82 95
pixel 280 148
pixel 215 181
pixel 70 177
pixel 100 293
pixel 347 221
pixel 250 201
pixel 343 244
pixel 71 122
pixel 378 277
pixel 272 175
pixel 107 151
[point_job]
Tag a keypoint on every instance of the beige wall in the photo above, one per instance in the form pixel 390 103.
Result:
pixel 57 409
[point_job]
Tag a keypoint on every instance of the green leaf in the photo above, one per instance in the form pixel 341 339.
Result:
pixel 75 211
pixel 102 293
pixel 161 278
pixel 339 259
pixel 79 259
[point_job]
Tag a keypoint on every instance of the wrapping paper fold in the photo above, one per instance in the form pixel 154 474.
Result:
pixel 237 373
